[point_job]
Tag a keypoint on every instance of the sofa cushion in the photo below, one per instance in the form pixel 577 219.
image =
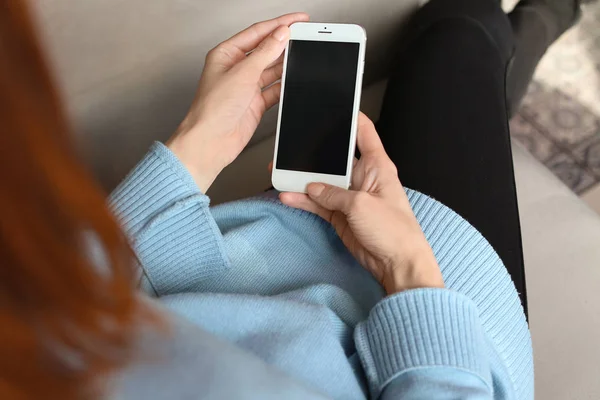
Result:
pixel 129 69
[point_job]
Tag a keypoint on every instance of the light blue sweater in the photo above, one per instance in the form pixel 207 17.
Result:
pixel 264 301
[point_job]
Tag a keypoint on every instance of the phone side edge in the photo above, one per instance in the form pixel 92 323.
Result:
pixel 279 112
pixel 356 106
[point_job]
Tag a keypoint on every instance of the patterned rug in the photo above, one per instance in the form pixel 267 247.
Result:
pixel 559 121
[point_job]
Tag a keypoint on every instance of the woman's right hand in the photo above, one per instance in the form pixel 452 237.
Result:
pixel 238 84
pixel 374 218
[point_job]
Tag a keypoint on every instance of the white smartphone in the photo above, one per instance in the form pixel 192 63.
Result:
pixel 318 111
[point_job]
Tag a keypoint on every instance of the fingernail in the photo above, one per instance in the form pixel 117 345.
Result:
pixel 281 33
pixel 315 189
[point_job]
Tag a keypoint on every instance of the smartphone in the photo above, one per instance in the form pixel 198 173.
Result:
pixel 318 111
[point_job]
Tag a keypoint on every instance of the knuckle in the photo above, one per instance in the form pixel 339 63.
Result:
pixel 213 55
pixel 221 52
pixel 215 50
pixel 391 167
pixel 210 55
pixel 383 165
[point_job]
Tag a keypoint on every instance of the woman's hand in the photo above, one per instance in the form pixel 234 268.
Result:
pixel 374 219
pixel 237 86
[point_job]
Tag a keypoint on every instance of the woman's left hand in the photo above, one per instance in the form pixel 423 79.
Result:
pixel 237 86
pixel 374 219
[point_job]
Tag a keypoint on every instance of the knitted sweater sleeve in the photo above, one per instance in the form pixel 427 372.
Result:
pixel 425 344
pixel 169 224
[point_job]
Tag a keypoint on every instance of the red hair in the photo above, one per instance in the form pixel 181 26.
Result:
pixel 66 318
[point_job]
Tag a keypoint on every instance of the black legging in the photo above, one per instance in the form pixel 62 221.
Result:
pixel 444 120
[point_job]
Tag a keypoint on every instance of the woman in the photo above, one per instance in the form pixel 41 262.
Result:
pixel 257 299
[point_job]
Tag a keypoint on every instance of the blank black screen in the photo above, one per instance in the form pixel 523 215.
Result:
pixel 318 99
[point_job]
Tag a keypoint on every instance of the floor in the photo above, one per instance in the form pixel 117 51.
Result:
pixel 559 121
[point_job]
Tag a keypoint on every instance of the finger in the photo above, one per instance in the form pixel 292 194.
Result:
pixel 248 39
pixel 368 140
pixel 331 197
pixel 378 165
pixel 271 96
pixel 303 202
pixel 234 49
pixel 278 61
pixel 270 166
pixel 270 75
pixel 267 51
pixel 230 52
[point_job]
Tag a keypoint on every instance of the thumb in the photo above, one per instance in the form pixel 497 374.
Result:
pixel 330 197
pixel 268 50
pixel 367 139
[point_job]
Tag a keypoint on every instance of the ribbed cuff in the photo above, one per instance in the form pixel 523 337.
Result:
pixel 421 328
pixel 167 218
pixel 156 182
